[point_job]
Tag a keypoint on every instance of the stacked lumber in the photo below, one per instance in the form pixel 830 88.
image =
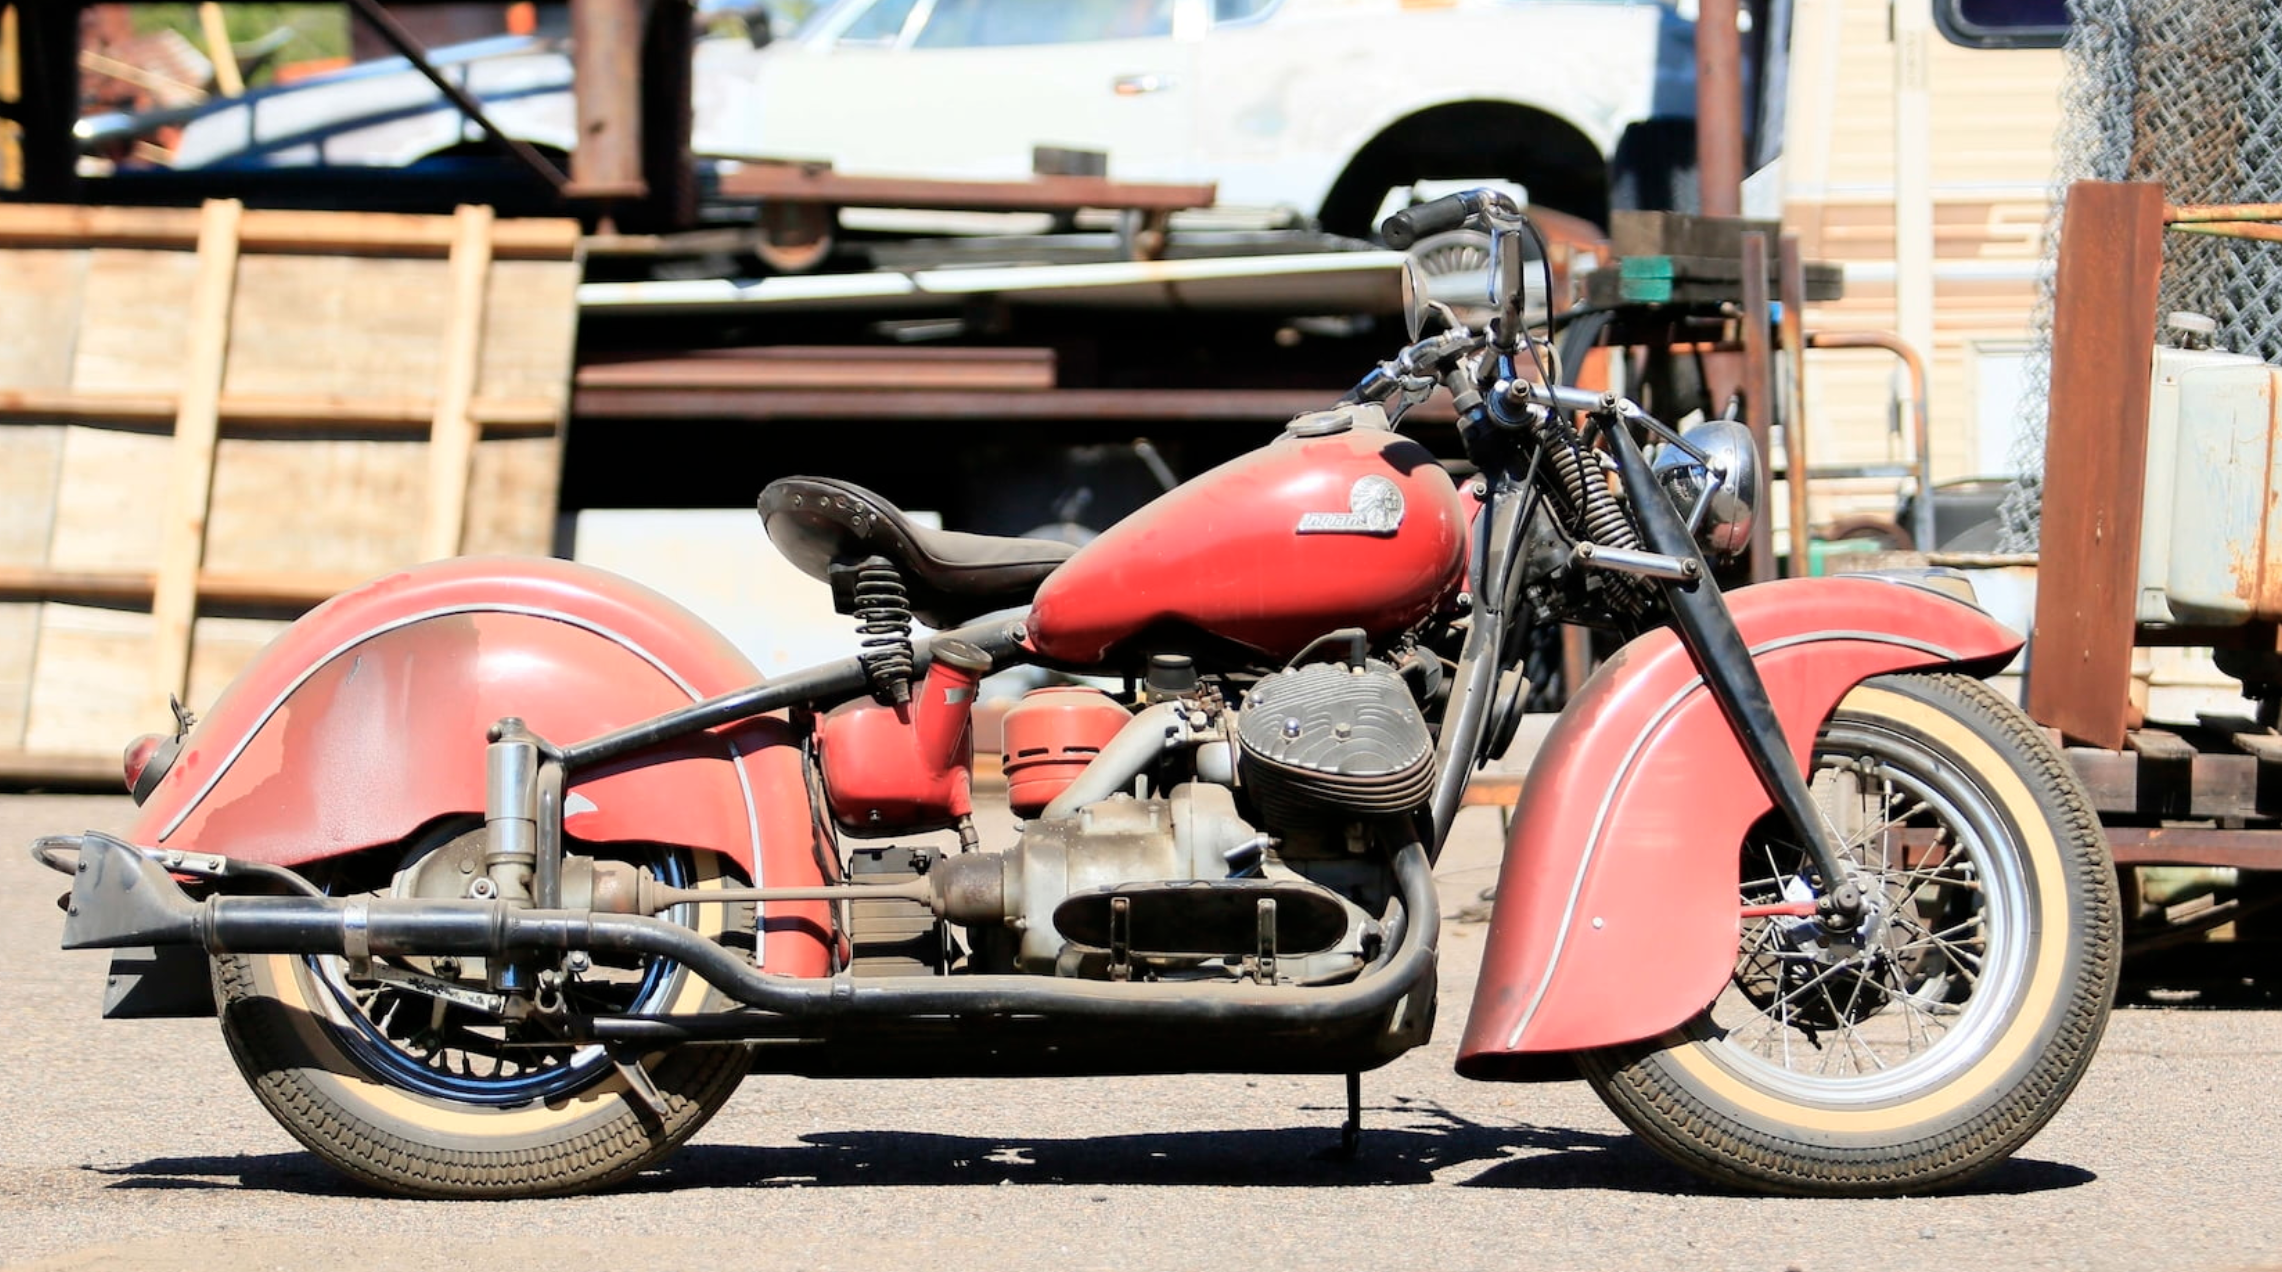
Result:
pixel 212 419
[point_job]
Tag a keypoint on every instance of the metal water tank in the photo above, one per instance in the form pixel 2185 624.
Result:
pixel 2211 520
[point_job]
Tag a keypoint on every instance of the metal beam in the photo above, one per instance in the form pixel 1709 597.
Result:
pixel 606 71
pixel 1759 398
pixel 2111 251
pixel 1719 108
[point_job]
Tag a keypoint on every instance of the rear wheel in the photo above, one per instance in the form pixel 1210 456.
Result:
pixel 1934 1040
pixel 415 1094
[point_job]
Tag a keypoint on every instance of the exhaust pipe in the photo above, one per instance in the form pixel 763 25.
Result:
pixel 122 897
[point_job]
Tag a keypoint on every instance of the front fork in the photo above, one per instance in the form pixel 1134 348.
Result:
pixel 1701 618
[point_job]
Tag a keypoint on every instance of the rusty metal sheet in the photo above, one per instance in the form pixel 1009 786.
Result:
pixel 823 367
pixel 817 183
pixel 2111 249
pixel 1264 406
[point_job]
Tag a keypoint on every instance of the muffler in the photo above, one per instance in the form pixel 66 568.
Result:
pixel 122 897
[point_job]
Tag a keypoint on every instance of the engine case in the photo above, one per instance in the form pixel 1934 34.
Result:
pixel 1117 840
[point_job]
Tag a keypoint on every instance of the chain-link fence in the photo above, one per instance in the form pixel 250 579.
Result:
pixel 2187 93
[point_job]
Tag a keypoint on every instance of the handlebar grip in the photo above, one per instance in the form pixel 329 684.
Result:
pixel 1433 217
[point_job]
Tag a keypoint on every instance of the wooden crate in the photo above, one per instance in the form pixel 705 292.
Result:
pixel 212 419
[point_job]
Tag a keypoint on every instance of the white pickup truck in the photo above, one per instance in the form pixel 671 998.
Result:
pixel 1317 107
pixel 1321 106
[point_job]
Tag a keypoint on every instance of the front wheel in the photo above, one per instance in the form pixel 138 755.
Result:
pixel 1933 1041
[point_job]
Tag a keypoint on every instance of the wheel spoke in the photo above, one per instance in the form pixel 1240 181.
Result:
pixel 1862 1012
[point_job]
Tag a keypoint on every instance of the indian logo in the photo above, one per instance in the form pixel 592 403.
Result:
pixel 1374 506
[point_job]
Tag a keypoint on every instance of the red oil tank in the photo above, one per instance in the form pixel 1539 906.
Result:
pixel 1051 735
pixel 1357 527
pixel 911 766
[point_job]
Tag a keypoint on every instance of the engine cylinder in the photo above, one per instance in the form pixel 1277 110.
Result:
pixel 1050 738
pixel 1327 742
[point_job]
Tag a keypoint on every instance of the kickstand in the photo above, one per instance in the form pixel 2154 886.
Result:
pixel 1351 1131
pixel 638 1084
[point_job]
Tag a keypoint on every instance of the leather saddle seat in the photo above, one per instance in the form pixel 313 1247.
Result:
pixel 952 577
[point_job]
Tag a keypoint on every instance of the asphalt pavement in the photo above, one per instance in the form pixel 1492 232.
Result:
pixel 134 1145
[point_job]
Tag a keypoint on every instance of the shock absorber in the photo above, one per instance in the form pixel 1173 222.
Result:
pixel 1599 517
pixel 882 607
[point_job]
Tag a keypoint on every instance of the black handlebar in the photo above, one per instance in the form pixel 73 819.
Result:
pixel 1433 217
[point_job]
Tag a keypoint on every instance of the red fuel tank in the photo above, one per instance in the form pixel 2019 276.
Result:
pixel 1360 528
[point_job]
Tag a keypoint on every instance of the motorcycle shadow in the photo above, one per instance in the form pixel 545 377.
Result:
pixel 1417 1143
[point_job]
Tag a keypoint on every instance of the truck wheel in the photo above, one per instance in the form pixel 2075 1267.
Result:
pixel 417 1096
pixel 1933 1041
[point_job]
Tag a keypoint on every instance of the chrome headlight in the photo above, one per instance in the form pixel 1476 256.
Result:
pixel 1729 473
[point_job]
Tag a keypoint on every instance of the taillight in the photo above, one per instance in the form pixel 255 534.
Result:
pixel 147 760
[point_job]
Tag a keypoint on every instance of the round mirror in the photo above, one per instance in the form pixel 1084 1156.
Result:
pixel 1414 298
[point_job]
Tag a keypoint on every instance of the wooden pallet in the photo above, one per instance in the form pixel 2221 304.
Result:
pixel 211 419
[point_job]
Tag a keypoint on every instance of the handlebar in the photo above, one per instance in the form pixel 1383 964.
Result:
pixel 1446 213
pixel 1412 224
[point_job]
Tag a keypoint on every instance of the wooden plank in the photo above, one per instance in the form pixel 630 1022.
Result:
pixel 336 325
pixel 220 648
pixel 357 510
pixel 277 231
pixel 313 412
pixel 2208 785
pixel 281 589
pixel 530 325
pixel 2160 746
pixel 315 467
pixel 31 457
pixel 19 649
pixel 1682 234
pixel 2195 846
pixel 452 433
pixel 37 770
pixel 512 491
pixel 2111 250
pixel 111 499
pixel 40 322
pixel 196 428
pixel 136 306
pixel 86 696
pixel 227 77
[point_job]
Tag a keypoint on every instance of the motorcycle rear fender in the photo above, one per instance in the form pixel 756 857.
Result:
pixel 365 722
pixel 1616 914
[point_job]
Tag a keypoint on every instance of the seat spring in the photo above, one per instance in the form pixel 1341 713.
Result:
pixel 883 619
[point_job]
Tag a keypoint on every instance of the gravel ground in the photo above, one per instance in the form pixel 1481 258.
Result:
pixel 135 1145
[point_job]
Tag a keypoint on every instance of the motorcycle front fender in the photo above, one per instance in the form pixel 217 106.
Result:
pixel 365 722
pixel 1616 915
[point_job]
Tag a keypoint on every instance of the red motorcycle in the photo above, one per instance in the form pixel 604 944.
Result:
pixel 502 873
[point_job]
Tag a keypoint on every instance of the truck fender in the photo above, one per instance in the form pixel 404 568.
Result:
pixel 1616 915
pixel 364 723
